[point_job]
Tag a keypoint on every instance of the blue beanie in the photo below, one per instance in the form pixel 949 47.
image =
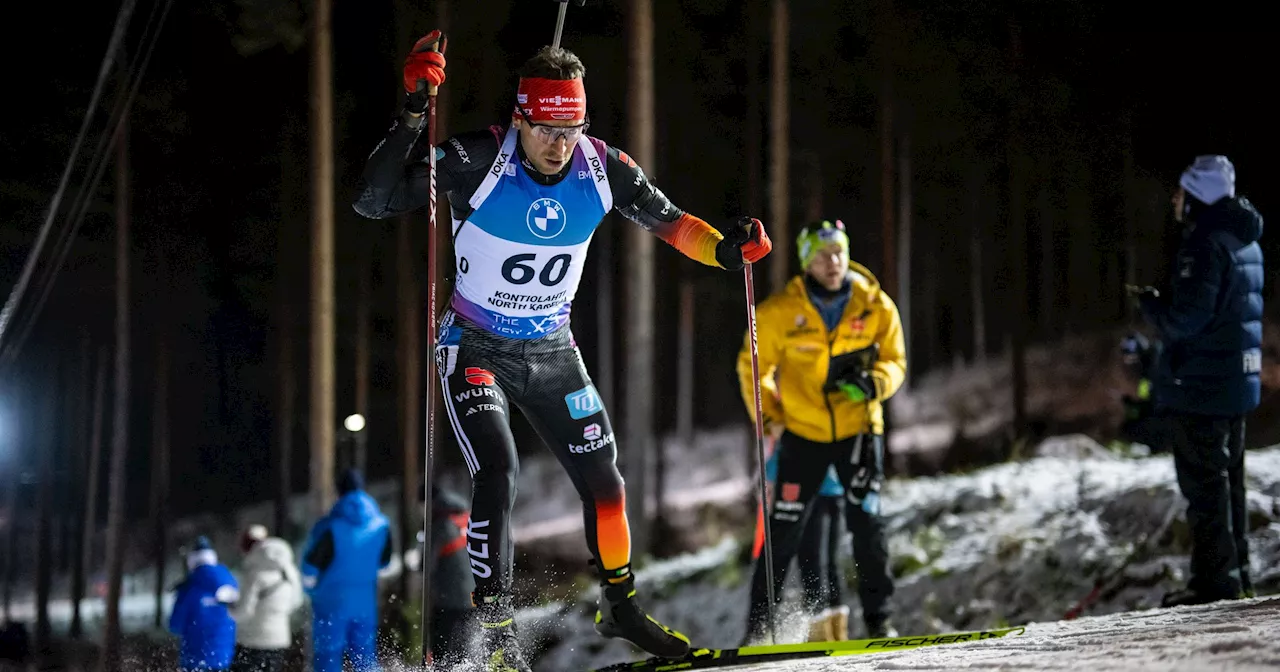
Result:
pixel 201 553
pixel 1210 178
pixel 350 481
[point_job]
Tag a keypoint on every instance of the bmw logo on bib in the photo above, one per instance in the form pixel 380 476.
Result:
pixel 546 218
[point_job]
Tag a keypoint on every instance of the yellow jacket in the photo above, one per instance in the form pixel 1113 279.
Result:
pixel 795 345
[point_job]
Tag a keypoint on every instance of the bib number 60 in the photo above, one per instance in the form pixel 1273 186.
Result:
pixel 517 271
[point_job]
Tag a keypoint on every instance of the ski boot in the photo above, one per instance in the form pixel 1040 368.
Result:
pixel 820 628
pixel 832 625
pixel 839 623
pixel 620 617
pixel 500 649
pixel 1190 596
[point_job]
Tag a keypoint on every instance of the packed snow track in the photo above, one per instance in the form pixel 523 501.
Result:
pixel 1239 635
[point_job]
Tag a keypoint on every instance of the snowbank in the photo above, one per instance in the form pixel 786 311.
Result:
pixel 1015 543
pixel 1238 635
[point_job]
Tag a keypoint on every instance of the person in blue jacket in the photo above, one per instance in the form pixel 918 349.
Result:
pixel 1210 321
pixel 818 557
pixel 340 565
pixel 200 612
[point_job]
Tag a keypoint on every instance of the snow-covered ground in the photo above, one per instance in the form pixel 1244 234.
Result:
pixel 1238 635
pixel 1016 543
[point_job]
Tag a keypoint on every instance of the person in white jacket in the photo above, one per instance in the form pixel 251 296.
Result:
pixel 271 592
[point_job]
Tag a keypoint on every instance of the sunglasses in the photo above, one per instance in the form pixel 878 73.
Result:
pixel 550 134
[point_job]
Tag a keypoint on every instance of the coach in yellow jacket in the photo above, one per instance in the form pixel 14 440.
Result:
pixel 831 351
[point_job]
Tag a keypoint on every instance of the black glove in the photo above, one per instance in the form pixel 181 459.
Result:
pixel 744 241
pixel 853 369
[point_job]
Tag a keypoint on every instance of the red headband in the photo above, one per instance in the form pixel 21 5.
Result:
pixel 552 99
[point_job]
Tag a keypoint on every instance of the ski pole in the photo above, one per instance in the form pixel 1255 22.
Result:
pixel 1103 583
pixel 424 562
pixel 564 8
pixel 760 459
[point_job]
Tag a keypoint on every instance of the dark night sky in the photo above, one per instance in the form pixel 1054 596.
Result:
pixel 219 154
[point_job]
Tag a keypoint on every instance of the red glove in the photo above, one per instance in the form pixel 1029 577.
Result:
pixel 758 245
pixel 422 68
pixel 744 242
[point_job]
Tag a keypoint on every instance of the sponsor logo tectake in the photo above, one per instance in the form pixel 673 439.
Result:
pixel 592 445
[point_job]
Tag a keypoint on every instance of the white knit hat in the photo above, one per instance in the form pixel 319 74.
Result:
pixel 1210 178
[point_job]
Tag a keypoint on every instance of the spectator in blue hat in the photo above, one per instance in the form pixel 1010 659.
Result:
pixel 201 616
pixel 1210 320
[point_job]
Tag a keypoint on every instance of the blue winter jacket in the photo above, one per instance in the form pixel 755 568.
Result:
pixel 1211 318
pixel 344 553
pixel 200 617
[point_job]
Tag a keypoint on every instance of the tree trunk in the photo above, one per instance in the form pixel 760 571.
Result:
pixel 120 413
pixel 285 422
pixel 685 395
pixel 1130 215
pixel 78 405
pixel 11 538
pixel 160 466
pixel 68 483
pixel 409 358
pixel 362 357
pixel 286 332
pixel 904 295
pixel 780 146
pixel 1046 229
pixel 604 242
pixel 884 54
pixel 48 442
pixel 638 417
pixel 977 288
pixel 814 208
pixel 1017 291
pixel 89 523
pixel 321 412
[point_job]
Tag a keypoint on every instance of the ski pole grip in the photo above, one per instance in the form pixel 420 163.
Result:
pixel 439 46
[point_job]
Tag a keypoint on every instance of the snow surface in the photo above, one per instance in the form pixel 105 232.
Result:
pixel 1239 635
pixel 1016 543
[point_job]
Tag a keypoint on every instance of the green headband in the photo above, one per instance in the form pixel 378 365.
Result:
pixel 818 235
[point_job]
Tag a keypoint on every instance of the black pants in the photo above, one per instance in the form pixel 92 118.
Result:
pixel 258 660
pixel 1143 425
pixel 482 374
pixel 802 466
pixel 451 633
pixel 818 554
pixel 1208 454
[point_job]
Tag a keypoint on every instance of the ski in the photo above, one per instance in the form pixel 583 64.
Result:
pixel 700 659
